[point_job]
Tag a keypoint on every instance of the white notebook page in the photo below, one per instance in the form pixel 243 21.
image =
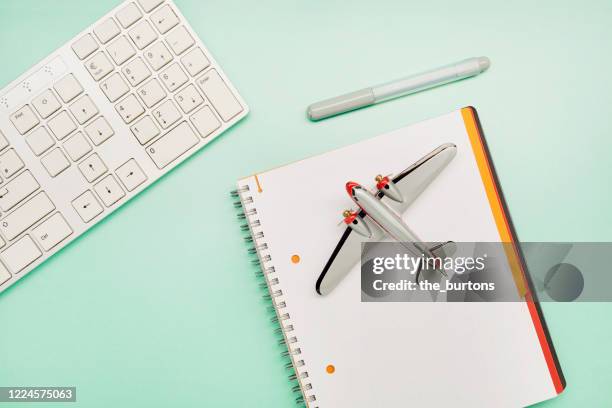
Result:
pixel 395 354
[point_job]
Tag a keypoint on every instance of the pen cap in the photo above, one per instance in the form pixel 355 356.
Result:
pixel 341 104
pixel 472 66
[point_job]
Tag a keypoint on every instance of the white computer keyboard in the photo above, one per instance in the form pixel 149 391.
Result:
pixel 98 121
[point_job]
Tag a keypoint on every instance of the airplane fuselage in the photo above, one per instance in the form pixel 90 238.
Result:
pixel 386 218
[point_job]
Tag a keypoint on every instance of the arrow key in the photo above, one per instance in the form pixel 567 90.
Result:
pixel 87 206
pixel 131 175
pixel 109 190
pixel 92 167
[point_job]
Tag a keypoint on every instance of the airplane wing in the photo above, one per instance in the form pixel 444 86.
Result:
pixel 411 183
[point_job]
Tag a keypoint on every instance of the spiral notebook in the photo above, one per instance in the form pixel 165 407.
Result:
pixel 348 353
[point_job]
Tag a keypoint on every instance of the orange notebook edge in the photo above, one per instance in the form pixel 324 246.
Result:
pixel 508 234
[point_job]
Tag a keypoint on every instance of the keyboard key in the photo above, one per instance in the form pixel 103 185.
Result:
pixel 51 232
pixel 142 34
pixel 83 109
pixel 195 61
pixel 131 175
pixel 21 254
pixel 5 275
pixel 173 77
pixel 219 95
pixel 18 189
pixel 128 15
pixel 27 215
pixel 166 114
pixel 92 167
pixel 99 66
pixel 87 206
pixel 107 30
pixel 62 125
pixel 114 87
pixel 109 190
pixel 179 40
pixel 172 145
pixel 24 119
pixel 46 104
pixel 40 141
pixel 55 162
pixel 205 121
pixel 3 142
pixel 121 50
pixel 158 56
pixel 10 163
pixel 189 98
pixel 99 130
pixel 129 109
pixel 136 71
pixel 164 19
pixel 148 5
pixel 151 93
pixel 77 146
pixel 145 130
pixel 84 46
pixel 68 88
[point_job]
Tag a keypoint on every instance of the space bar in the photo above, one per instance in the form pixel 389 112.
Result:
pixel 173 144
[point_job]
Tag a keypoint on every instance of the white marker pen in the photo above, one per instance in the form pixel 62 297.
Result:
pixel 400 87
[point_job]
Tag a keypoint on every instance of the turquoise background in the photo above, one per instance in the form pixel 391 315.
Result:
pixel 158 305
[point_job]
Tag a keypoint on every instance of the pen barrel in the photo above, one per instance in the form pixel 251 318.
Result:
pixel 341 104
pixel 427 80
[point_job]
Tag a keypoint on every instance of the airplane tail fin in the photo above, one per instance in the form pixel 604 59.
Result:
pixel 439 250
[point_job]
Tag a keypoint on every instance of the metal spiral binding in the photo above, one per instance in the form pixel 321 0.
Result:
pixel 274 294
pixel 251 238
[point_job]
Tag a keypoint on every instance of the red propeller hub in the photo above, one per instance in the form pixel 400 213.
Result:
pixel 350 218
pixel 382 183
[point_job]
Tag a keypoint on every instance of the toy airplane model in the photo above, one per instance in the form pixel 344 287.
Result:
pixel 376 216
